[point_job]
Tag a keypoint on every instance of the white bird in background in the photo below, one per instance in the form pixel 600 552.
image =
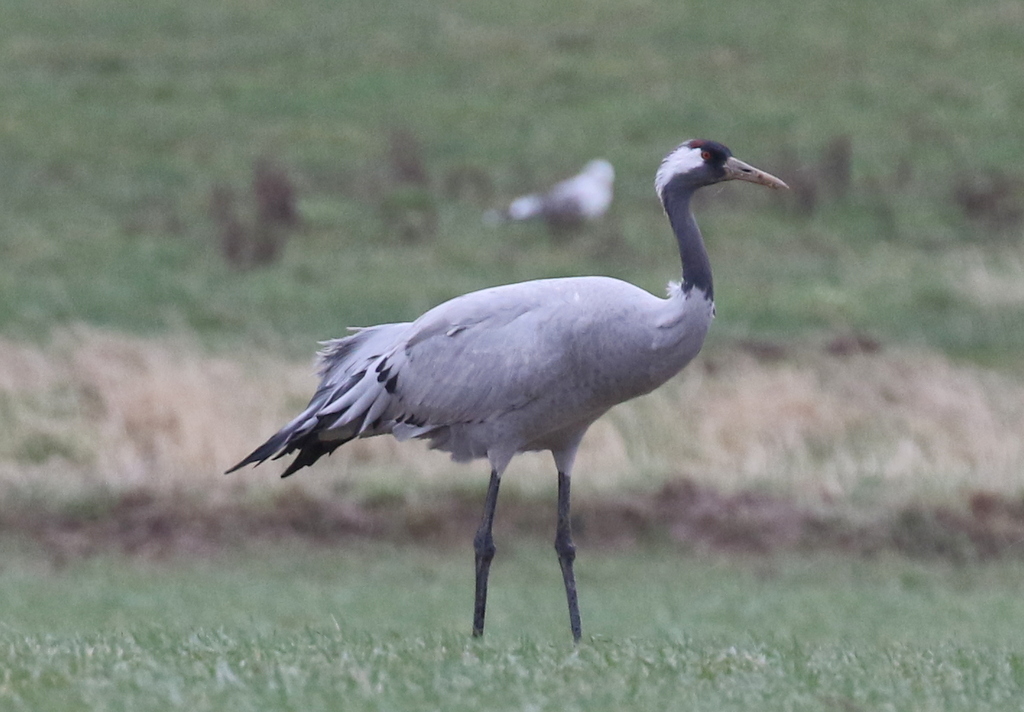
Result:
pixel 570 203
pixel 521 367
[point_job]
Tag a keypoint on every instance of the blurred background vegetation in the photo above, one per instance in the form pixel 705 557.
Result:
pixel 210 188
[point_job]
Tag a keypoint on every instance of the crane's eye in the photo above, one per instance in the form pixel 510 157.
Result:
pixel 705 155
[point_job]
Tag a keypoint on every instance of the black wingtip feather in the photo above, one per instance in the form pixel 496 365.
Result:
pixel 263 452
pixel 310 447
pixel 310 452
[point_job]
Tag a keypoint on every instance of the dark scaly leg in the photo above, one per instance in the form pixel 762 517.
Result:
pixel 567 554
pixel 483 544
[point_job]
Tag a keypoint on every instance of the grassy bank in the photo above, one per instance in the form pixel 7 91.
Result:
pixel 395 127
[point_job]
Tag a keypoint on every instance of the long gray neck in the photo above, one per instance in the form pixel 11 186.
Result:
pixel 696 265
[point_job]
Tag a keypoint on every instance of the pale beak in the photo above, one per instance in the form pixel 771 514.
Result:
pixel 735 169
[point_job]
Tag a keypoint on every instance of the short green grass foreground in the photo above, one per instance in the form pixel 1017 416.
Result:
pixel 316 670
pixel 377 628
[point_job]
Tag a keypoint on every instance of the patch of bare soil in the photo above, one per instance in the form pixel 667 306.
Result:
pixel 685 514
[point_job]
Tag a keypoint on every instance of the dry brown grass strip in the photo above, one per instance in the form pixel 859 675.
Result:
pixel 94 409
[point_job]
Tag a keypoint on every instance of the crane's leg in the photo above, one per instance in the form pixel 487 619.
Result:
pixel 483 544
pixel 567 554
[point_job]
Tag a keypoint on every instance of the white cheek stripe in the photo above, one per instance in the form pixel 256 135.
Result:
pixel 681 160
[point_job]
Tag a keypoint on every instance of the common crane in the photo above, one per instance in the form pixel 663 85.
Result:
pixel 520 367
pixel 567 204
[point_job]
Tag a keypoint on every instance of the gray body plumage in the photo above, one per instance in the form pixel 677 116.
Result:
pixel 520 367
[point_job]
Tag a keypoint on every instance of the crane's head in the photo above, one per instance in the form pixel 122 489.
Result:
pixel 697 163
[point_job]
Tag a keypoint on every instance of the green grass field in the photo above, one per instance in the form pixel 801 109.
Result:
pixel 136 356
pixel 120 119
pixel 378 628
